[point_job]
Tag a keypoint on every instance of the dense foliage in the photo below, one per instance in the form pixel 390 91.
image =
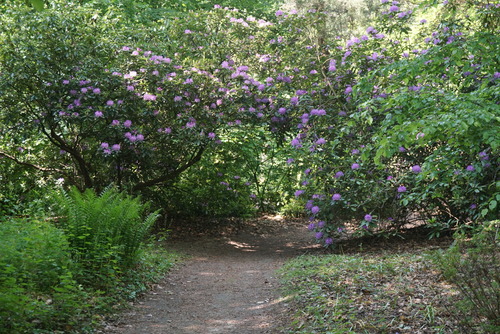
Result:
pixel 394 125
pixel 65 276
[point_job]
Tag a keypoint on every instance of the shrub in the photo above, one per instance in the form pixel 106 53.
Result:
pixel 473 265
pixel 105 232
pixel 37 291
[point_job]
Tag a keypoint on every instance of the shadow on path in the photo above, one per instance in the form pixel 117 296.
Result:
pixel 227 286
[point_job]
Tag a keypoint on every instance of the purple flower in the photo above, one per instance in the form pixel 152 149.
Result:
pixel 109 103
pixel 96 91
pixel 127 123
pixel 320 141
pixel 328 241
pixel 483 155
pixel 149 97
pixel 348 90
pixel 368 218
pixel 473 206
pixel 98 114
pixel 336 197
pixel 298 193
pixel 319 235
pixel 321 224
pixel 104 145
pixel 470 168
pixel 311 226
pixel 315 210
pixel 355 166
pixel 394 8
pixel 115 147
pixel 279 13
pixel 296 142
pixel 339 175
pixel 416 169
pixel 402 149
pixel 401 189
pixel 177 98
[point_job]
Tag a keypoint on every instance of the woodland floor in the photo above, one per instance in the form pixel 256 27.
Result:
pixel 228 283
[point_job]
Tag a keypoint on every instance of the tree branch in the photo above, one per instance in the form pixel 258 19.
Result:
pixel 173 175
pixel 40 168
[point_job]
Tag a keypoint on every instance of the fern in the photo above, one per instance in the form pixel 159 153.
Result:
pixel 105 231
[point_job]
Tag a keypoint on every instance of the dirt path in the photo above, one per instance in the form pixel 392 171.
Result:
pixel 227 286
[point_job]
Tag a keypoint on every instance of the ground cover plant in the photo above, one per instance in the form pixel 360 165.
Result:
pixel 397 285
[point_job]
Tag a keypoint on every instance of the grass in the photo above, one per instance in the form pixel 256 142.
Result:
pixel 385 292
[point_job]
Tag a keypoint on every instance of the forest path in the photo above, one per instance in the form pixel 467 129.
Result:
pixel 228 284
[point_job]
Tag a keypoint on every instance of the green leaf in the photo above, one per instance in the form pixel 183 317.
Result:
pixel 492 205
pixel 37 4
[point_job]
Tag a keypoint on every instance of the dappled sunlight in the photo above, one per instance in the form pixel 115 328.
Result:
pixel 271 303
pixel 242 246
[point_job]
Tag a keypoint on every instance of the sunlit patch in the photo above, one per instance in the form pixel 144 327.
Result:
pixel 242 245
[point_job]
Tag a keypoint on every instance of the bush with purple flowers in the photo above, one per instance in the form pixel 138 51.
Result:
pixel 400 119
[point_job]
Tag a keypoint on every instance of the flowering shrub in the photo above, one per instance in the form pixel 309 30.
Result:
pixel 398 123
pixel 413 131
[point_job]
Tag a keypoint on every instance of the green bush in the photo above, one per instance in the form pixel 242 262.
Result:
pixel 473 265
pixel 105 232
pixel 37 291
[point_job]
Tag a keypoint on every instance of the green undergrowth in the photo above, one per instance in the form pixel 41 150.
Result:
pixel 379 293
pixel 43 289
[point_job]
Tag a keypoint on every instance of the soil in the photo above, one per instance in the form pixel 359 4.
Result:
pixel 227 285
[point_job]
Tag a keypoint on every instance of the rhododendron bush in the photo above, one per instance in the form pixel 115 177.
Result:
pixel 394 125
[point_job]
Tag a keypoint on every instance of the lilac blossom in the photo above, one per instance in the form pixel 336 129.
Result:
pixel 298 193
pixel 149 97
pixel 416 169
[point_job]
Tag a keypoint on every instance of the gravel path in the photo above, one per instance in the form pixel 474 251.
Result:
pixel 228 285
